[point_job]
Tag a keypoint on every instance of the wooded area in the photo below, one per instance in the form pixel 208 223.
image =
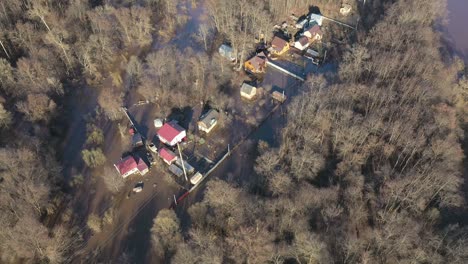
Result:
pixel 369 168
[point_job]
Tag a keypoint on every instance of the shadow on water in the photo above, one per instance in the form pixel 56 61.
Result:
pixel 456 31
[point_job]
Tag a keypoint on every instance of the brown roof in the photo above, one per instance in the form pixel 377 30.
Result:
pixel 315 30
pixel 258 60
pixel 278 43
pixel 303 40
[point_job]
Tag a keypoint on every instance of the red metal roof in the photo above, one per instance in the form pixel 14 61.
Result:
pixel 169 131
pixel 142 165
pixel 126 164
pixel 167 155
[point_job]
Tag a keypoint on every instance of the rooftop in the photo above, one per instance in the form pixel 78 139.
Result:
pixel 247 88
pixel 167 154
pixel 210 117
pixel 278 43
pixel 126 164
pixel 170 130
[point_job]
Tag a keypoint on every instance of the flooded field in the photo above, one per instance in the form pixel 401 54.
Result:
pixel 457 28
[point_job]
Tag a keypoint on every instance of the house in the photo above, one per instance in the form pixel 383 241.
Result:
pixel 129 165
pixel 256 64
pixel 227 52
pixel 279 46
pixel 316 18
pixel 168 156
pixel 302 43
pixel 208 121
pixel 345 9
pixel 171 133
pixel 248 91
pixel 314 33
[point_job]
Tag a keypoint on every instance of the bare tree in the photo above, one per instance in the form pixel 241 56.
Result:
pixel 114 182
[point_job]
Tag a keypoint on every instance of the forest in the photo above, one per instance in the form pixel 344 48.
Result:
pixel 370 165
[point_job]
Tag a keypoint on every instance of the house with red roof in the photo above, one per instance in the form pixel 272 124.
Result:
pixel 129 165
pixel 171 133
pixel 168 156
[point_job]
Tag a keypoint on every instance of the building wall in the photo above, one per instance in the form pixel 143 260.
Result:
pixel 133 171
pixel 178 138
pixel 204 128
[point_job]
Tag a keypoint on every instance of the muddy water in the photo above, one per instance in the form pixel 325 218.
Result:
pixel 457 28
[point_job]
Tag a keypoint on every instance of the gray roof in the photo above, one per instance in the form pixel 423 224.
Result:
pixel 210 117
pixel 247 88
pixel 226 51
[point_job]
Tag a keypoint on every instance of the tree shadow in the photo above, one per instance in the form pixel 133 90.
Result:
pixel 183 116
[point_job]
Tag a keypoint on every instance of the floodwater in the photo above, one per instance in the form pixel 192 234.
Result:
pixel 457 27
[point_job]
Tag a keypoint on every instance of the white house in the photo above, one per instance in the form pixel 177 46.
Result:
pixel 302 43
pixel 248 91
pixel 171 133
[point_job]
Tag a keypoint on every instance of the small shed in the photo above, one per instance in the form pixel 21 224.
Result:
pixel 168 156
pixel 187 166
pixel 176 170
pixel 302 43
pixel 208 121
pixel 278 96
pixel 248 91
pixel 227 52
pixel 256 64
pixel 312 53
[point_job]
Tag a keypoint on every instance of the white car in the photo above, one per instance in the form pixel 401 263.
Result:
pixel 138 187
pixel 152 147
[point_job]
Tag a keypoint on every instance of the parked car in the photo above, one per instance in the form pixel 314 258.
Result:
pixel 152 147
pixel 138 187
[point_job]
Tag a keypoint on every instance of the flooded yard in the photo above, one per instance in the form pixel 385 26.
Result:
pixel 457 27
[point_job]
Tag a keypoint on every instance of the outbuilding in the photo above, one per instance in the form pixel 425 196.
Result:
pixel 227 52
pixel 168 156
pixel 248 91
pixel 208 121
pixel 171 133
